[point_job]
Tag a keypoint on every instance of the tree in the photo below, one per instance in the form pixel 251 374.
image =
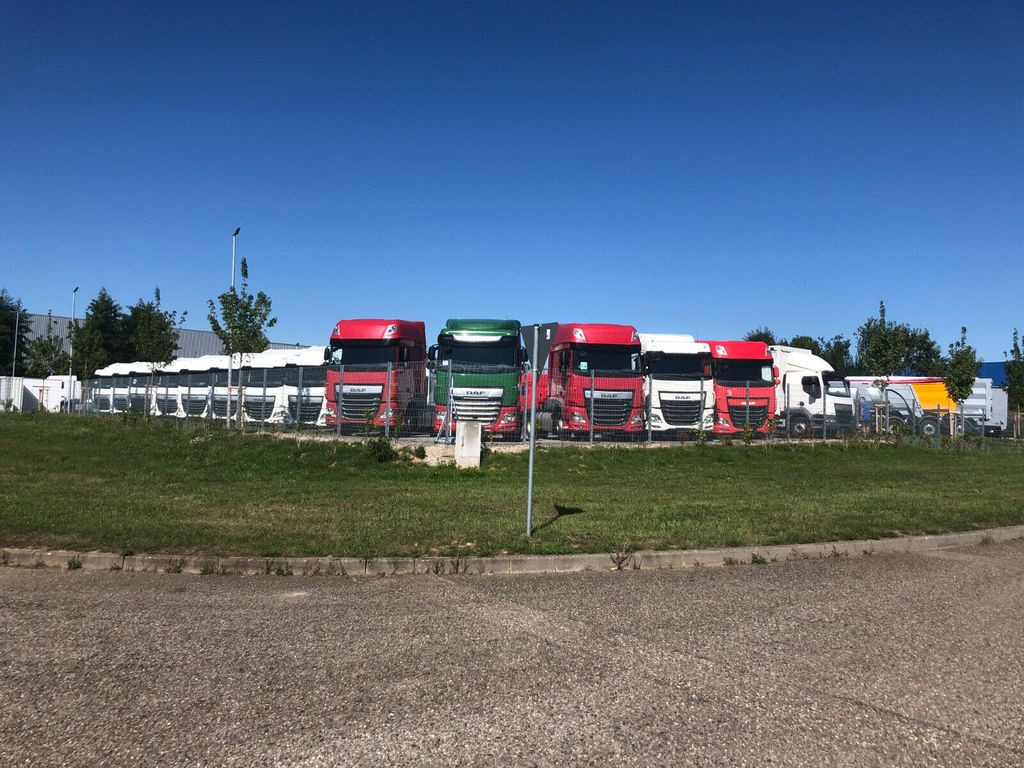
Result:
pixel 12 315
pixel 45 355
pixel 243 316
pixel 961 369
pixel 761 334
pixel 836 352
pixel 1014 367
pixel 99 340
pixel 804 342
pixel 151 331
pixel 886 348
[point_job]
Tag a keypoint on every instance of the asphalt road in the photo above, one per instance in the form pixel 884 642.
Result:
pixel 881 660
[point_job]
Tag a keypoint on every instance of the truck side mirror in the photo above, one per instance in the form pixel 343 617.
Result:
pixel 327 355
pixel 432 352
pixel 431 365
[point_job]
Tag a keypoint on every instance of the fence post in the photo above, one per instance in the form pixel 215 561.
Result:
pixel 263 409
pixel 746 424
pixel 298 402
pixel 650 409
pixel 339 397
pixel 450 410
pixel 590 416
pixel 533 436
pixel 789 420
pixel 387 403
pixel 824 411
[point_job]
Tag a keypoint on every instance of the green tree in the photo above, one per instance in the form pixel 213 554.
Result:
pixel 836 352
pixel 152 334
pixel 1014 367
pixel 886 348
pixel 961 369
pixel 100 339
pixel 761 334
pixel 805 342
pixel 12 315
pixel 243 318
pixel 45 355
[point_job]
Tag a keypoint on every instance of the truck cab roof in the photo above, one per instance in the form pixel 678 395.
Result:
pixel 374 329
pixel 798 359
pixel 673 344
pixel 739 350
pixel 596 333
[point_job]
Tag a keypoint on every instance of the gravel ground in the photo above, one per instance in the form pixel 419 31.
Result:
pixel 882 660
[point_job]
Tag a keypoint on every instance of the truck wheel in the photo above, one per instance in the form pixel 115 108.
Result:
pixel 800 427
pixel 929 427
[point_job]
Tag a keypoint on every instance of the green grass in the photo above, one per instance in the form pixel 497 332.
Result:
pixel 82 483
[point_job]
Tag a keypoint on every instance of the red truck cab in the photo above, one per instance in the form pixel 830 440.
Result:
pixel 362 349
pixel 608 356
pixel 744 380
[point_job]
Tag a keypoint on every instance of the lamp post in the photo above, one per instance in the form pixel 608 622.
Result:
pixel 227 410
pixel 71 348
pixel 14 355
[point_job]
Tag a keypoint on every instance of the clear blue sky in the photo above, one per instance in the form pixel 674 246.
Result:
pixel 705 168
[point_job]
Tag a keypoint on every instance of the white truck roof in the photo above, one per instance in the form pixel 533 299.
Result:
pixel 673 344
pixel 797 359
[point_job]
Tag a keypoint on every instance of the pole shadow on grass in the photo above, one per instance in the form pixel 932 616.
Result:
pixel 560 512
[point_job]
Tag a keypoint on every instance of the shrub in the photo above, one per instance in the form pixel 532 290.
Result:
pixel 381 449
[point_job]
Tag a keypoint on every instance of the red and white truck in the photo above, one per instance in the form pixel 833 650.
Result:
pixel 745 378
pixel 604 357
pixel 362 350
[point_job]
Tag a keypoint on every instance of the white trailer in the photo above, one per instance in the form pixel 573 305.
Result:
pixel 809 394
pixel 677 383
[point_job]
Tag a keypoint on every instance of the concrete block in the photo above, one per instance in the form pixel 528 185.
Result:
pixel 703 557
pixel 101 561
pixel 467 444
pixel 577 563
pixel 22 558
pixel 56 558
pixel 663 560
pixel 529 564
pixel 479 566
pixel 390 566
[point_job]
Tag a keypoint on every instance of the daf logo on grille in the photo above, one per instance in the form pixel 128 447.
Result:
pixel 475 393
pixel 606 394
pixel 357 390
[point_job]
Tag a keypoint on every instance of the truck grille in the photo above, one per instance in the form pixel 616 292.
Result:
pixel 356 405
pixel 484 409
pixel 310 408
pixel 121 402
pixel 220 406
pixel 167 404
pixel 259 407
pixel 101 402
pixel 681 412
pixel 194 405
pixel 738 416
pixel 609 412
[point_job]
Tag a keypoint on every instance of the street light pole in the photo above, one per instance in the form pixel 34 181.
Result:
pixel 14 356
pixel 71 348
pixel 227 410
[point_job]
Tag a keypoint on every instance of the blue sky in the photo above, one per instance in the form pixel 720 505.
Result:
pixel 702 168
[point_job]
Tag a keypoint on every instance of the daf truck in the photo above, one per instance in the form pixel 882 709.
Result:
pixel 363 351
pixel 477 367
pixel 745 378
pixel 810 394
pixel 605 356
pixel 678 386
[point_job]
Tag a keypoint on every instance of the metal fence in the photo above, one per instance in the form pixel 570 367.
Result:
pixel 420 399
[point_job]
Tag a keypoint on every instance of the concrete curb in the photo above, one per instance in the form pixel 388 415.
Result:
pixel 407 566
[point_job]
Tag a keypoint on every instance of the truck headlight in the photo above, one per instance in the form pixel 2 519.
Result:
pixel 638 419
pixel 655 418
pixel 508 418
pixel 723 422
pixel 579 418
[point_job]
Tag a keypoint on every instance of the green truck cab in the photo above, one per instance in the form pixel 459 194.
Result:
pixel 478 366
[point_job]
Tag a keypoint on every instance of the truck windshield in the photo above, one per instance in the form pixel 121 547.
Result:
pixel 346 353
pixel 605 358
pixel 678 367
pixel 736 373
pixel 836 385
pixel 500 353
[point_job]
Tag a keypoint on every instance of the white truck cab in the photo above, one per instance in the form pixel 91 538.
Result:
pixel 809 394
pixel 678 382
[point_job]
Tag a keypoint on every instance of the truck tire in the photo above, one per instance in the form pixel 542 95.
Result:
pixel 929 427
pixel 799 426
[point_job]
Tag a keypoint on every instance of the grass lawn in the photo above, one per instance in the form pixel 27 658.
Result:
pixel 83 483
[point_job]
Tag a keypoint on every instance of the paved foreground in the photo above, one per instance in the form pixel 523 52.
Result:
pixel 882 660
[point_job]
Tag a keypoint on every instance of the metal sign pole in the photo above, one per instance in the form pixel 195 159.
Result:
pixel 533 436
